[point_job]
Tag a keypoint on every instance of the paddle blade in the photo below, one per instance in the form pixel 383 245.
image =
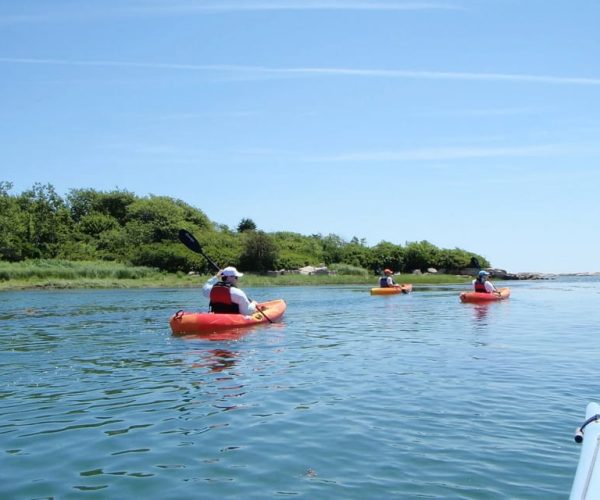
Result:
pixel 189 241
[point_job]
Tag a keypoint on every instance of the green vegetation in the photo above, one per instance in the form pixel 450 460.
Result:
pixel 58 273
pixel 117 236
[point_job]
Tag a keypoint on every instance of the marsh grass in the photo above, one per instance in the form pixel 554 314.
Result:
pixel 71 270
pixel 101 274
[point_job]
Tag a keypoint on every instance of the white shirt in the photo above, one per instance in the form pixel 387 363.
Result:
pixel 238 297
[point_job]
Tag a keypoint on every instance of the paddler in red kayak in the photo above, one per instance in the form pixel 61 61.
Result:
pixel 482 284
pixel 386 280
pixel 225 296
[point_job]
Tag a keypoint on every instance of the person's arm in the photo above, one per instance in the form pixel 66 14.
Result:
pixel 489 286
pixel 208 286
pixel 246 306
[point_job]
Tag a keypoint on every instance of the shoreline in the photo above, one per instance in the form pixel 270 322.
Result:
pixel 252 280
pixel 196 281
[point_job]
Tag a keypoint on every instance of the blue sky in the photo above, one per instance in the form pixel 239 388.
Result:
pixel 468 123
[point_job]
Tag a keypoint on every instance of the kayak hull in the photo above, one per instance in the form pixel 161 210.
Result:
pixel 392 290
pixel 485 297
pixel 183 322
pixel 586 484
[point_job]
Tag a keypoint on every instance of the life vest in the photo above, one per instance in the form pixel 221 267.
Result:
pixel 383 282
pixel 480 286
pixel 220 299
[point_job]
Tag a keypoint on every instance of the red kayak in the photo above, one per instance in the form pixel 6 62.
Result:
pixel 183 322
pixel 485 297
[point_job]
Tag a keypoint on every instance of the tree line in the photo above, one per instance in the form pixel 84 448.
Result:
pixel 120 226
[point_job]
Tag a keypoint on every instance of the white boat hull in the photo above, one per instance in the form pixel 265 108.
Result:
pixel 586 485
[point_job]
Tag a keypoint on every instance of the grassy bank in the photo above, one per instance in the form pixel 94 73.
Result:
pixel 68 274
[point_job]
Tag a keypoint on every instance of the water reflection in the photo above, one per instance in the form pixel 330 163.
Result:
pixel 216 360
pixel 481 312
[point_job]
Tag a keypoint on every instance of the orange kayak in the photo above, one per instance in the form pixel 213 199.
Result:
pixel 391 290
pixel 485 297
pixel 183 322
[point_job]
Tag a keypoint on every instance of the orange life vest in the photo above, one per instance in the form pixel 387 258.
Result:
pixel 480 287
pixel 220 299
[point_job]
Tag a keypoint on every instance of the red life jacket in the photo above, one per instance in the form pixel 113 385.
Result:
pixel 480 287
pixel 220 299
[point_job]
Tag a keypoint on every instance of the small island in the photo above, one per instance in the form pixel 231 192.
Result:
pixel 92 239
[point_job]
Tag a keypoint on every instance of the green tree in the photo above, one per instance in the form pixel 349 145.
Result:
pixel 387 255
pixel 296 250
pixel 159 218
pixel 95 223
pixel 356 253
pixel 332 246
pixel 115 203
pixel 260 252
pixel 420 255
pixel 12 227
pixel 453 260
pixel 223 247
pixel 48 221
pixel 170 257
pixel 246 225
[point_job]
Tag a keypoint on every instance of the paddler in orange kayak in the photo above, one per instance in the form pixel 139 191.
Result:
pixel 482 284
pixel 387 280
pixel 225 296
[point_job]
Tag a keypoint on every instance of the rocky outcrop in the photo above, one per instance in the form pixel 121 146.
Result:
pixel 500 274
pixel 503 275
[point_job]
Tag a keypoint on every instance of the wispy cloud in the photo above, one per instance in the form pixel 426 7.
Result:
pixel 231 6
pixel 261 72
pixel 483 112
pixel 75 10
pixel 69 11
pixel 446 154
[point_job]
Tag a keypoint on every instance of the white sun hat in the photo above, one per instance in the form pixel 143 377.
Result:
pixel 231 271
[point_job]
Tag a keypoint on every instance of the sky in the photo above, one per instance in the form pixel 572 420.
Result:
pixel 471 124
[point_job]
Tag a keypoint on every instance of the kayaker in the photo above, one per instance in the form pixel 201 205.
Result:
pixel 225 296
pixel 482 284
pixel 386 280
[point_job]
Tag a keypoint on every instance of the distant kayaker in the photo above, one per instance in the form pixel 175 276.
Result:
pixel 225 296
pixel 482 284
pixel 386 280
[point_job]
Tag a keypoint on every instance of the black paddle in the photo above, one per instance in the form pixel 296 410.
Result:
pixel 192 243
pixel 189 241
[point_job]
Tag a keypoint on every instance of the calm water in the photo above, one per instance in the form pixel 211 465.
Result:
pixel 352 396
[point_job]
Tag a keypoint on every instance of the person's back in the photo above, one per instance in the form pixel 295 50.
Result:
pixel 386 280
pixel 481 283
pixel 220 299
pixel 224 295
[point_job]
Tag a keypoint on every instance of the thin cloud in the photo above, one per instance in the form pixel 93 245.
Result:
pixel 223 6
pixel 261 72
pixel 67 12
pixel 444 154
pixel 483 112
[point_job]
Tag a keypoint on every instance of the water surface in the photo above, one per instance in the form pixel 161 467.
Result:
pixel 351 396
